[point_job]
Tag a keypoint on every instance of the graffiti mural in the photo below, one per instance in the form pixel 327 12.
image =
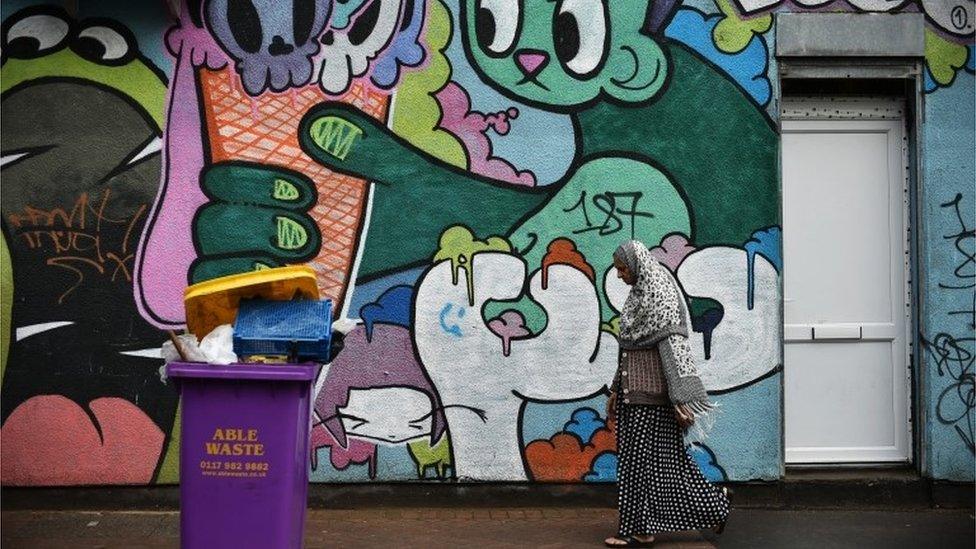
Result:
pixel 947 344
pixel 953 354
pixel 82 129
pixel 457 172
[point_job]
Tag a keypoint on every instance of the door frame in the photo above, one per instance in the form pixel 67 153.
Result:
pixel 815 75
pixel 814 114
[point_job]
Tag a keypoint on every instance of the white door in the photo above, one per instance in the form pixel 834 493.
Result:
pixel 846 370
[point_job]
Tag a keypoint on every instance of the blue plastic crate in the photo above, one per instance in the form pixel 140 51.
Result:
pixel 298 329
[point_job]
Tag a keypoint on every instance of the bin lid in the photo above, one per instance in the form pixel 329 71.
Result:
pixel 214 302
pixel 260 372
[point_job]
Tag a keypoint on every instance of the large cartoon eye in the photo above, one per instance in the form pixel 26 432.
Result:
pixel 303 16
pixel 245 24
pixel 102 44
pixel 407 15
pixel 497 25
pixel 365 23
pixel 581 52
pixel 35 35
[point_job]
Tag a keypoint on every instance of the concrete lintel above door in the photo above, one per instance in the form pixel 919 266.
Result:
pixel 850 35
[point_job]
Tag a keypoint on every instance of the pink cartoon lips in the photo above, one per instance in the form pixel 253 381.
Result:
pixel 51 441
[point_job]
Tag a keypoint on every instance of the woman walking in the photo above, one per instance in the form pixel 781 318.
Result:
pixel 656 394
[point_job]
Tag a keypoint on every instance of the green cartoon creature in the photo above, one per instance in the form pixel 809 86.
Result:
pixel 665 142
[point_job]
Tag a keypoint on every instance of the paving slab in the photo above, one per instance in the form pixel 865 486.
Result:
pixel 501 527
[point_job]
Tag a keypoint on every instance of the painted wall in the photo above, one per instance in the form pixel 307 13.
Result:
pixel 949 279
pixel 458 172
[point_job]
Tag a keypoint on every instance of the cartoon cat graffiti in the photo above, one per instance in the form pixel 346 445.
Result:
pixel 619 70
pixel 629 72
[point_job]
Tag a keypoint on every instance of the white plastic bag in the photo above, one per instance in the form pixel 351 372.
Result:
pixel 190 346
pixel 218 345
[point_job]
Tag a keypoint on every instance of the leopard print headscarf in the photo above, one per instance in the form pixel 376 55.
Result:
pixel 655 307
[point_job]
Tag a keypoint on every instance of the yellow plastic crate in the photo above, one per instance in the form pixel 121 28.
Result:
pixel 214 302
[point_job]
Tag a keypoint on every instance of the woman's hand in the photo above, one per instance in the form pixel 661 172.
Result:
pixel 684 415
pixel 612 407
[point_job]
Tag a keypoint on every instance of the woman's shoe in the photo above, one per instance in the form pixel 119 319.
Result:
pixel 629 541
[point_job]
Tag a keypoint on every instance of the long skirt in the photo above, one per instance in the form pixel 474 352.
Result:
pixel 661 488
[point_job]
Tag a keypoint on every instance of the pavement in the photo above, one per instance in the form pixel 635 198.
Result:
pixel 510 527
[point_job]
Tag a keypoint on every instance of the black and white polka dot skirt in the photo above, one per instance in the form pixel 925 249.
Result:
pixel 661 488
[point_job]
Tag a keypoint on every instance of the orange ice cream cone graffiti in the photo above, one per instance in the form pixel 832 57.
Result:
pixel 264 130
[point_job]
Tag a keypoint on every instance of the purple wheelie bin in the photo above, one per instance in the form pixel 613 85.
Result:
pixel 244 453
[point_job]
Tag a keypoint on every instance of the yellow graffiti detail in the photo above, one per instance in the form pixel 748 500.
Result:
pixel 334 135
pixel 943 57
pixel 418 115
pixel 285 190
pixel 291 234
pixel 733 33
pixel 6 302
pixel 612 327
pixel 169 469
pixel 425 455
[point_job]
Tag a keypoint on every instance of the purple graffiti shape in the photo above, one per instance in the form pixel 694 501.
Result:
pixel 508 326
pixel 386 361
pixel 272 42
pixel 166 248
pixel 471 128
pixel 406 49
pixel 357 452
pixel 189 40
pixel 672 250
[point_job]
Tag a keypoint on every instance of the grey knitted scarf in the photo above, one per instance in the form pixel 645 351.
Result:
pixel 656 315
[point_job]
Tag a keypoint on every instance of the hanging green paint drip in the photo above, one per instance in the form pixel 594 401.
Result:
pixel 459 245
pixel 437 456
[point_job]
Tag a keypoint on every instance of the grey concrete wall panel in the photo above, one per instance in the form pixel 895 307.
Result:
pixel 850 35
